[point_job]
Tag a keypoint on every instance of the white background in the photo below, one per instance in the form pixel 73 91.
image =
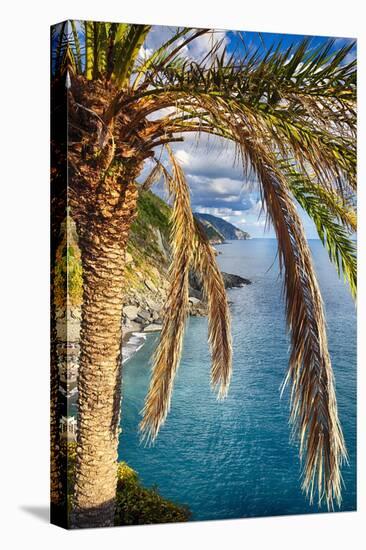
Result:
pixel 24 200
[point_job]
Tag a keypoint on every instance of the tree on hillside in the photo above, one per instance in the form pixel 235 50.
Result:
pixel 291 114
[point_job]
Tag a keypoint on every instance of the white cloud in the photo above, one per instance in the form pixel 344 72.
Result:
pixel 145 53
pixel 183 157
pixel 209 156
pixel 201 46
pixel 196 50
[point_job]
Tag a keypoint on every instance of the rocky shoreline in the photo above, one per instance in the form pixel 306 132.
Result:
pixel 145 314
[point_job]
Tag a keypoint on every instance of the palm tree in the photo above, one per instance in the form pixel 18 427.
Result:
pixel 291 114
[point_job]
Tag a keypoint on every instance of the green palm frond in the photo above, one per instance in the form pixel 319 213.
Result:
pixel 89 49
pixel 77 45
pixel 132 42
pixel 103 44
pixel 267 79
pixel 305 104
pixel 161 55
pixel 111 50
pixel 333 220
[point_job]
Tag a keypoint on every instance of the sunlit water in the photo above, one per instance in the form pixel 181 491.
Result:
pixel 233 458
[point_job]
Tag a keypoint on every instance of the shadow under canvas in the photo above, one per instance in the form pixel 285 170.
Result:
pixel 40 512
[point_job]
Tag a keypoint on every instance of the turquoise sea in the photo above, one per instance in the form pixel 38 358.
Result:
pixel 234 459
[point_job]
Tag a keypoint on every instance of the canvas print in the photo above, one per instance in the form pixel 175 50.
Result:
pixel 203 274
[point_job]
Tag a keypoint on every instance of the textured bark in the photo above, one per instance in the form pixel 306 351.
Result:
pixel 58 403
pixel 103 232
pixel 56 486
pixel 58 213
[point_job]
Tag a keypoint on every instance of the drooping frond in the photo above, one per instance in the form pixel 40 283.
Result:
pixel 326 201
pixel 153 177
pixel 313 403
pixel 340 208
pixel 168 352
pixel 191 250
pixel 188 235
pixel 219 331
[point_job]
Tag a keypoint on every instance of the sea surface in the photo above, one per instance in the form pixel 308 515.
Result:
pixel 234 459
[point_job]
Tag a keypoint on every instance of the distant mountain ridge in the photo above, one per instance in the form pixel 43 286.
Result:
pixel 224 229
pixel 211 231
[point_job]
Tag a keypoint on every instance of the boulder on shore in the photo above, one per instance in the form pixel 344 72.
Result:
pixel 150 285
pixel 131 312
pixel 144 314
pixel 230 281
pixel 153 328
pixel 234 281
pixel 131 326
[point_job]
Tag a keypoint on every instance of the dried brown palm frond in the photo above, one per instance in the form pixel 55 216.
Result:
pixel 153 177
pixel 219 331
pixel 167 355
pixel 313 403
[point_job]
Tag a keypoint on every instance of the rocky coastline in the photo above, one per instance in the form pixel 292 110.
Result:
pixel 144 312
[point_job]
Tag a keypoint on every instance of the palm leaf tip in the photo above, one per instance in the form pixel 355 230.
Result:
pixel 322 446
pixel 219 324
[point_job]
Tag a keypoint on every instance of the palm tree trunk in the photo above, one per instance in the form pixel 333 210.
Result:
pixel 56 485
pixel 58 214
pixel 103 232
pixel 58 405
